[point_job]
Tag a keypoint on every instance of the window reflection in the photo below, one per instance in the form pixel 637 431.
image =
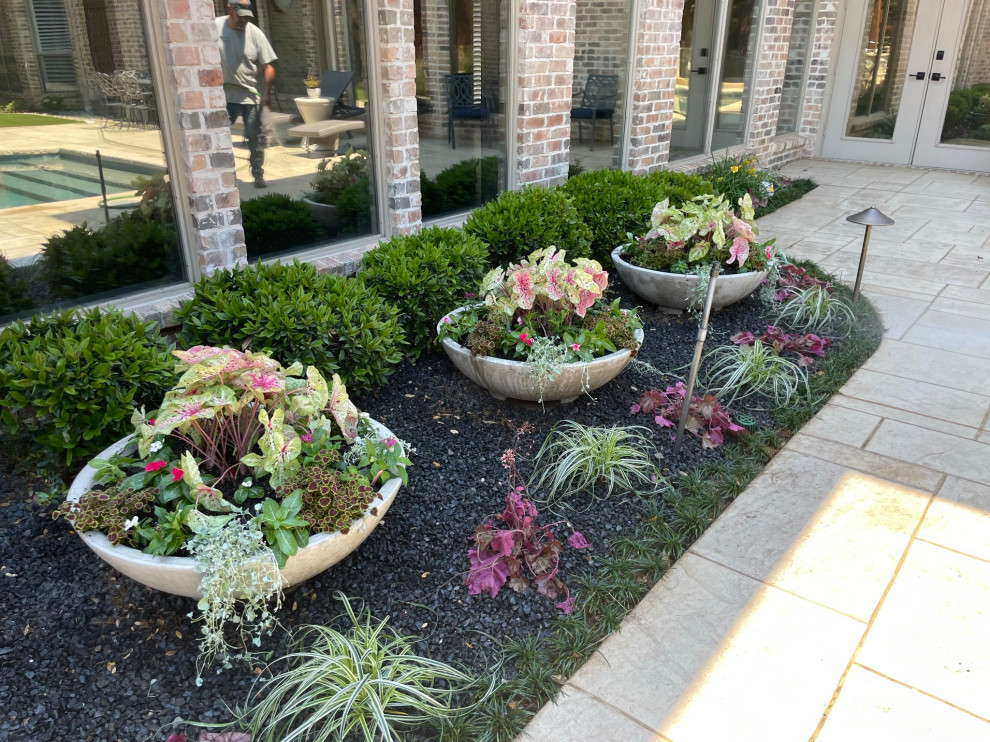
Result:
pixel 460 101
pixel 601 54
pixel 81 119
pixel 802 31
pixel 318 175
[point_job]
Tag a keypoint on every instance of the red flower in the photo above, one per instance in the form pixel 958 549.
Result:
pixel 151 422
pixel 155 465
pixel 176 474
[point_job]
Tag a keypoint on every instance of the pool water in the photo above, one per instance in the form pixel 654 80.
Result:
pixel 62 176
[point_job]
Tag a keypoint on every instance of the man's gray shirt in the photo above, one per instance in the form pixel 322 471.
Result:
pixel 242 56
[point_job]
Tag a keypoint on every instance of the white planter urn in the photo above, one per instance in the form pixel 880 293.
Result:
pixel 676 291
pixel 326 214
pixel 509 379
pixel 313 92
pixel 177 575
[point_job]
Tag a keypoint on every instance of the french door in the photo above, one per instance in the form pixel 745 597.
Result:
pixel 919 91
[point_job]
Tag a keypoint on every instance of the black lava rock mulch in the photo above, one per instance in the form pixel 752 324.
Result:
pixel 88 654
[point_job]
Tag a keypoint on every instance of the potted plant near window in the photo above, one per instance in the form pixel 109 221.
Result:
pixel 251 477
pixel 670 265
pixel 337 177
pixel 312 83
pixel 544 333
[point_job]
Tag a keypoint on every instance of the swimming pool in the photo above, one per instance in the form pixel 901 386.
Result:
pixel 61 176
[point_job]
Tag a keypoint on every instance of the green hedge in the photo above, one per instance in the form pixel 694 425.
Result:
pixel 293 314
pixel 426 275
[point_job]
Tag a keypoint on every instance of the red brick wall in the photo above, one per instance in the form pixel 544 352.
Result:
pixel 546 52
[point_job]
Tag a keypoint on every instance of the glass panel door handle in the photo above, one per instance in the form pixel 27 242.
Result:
pixel 701 71
pixel 917 76
pixel 935 77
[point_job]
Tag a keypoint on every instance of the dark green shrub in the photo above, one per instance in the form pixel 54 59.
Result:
pixel 612 203
pixel 70 382
pixel 294 314
pixel 461 186
pixel 354 208
pixel 14 295
pixel 277 222
pixel 425 275
pixel 129 251
pixel 519 222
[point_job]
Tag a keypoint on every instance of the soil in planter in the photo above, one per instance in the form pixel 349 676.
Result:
pixel 91 655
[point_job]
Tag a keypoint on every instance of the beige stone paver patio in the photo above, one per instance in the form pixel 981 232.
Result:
pixel 845 594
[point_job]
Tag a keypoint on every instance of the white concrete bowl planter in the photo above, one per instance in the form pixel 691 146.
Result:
pixel 177 575
pixel 325 214
pixel 675 291
pixel 508 379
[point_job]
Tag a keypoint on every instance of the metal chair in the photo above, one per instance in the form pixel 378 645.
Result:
pixel 597 102
pixel 113 105
pixel 334 84
pixel 463 104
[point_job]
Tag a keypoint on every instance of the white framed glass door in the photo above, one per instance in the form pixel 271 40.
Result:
pixel 913 95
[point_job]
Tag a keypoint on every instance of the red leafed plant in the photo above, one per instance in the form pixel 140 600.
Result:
pixel 792 278
pixel 807 347
pixel 519 551
pixel 706 417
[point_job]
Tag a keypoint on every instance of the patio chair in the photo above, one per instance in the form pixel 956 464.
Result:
pixel 334 84
pixel 597 102
pixel 462 104
pixel 113 104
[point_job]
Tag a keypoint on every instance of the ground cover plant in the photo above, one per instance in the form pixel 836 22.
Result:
pixel 74 625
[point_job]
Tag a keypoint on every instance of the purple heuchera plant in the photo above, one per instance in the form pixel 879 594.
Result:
pixel 521 552
pixel 807 347
pixel 793 277
pixel 706 417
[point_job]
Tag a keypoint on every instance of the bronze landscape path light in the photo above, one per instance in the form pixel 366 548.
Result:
pixel 871 217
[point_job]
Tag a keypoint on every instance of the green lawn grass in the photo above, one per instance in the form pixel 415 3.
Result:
pixel 9 120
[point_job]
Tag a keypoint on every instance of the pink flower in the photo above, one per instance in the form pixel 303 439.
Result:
pixel 468 295
pixel 575 347
pixel 768 252
pixel 518 320
pixel 445 320
pixel 151 422
pixel 523 337
pixel 306 437
pixel 389 442
pixel 176 474
pixel 154 465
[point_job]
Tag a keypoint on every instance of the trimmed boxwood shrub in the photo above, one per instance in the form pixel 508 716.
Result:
pixel 129 251
pixel 426 275
pixel 70 381
pixel 519 222
pixel 461 186
pixel 612 203
pixel 293 314
pixel 276 222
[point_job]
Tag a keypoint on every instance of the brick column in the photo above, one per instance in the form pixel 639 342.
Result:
pixel 768 77
pixel 193 67
pixel 656 49
pixel 546 75
pixel 821 50
pixel 400 148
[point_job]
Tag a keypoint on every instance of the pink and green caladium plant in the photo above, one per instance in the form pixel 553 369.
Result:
pixel 238 410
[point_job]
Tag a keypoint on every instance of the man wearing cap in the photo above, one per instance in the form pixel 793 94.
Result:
pixel 246 57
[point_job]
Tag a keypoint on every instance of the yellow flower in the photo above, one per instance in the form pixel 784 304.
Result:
pixel 751 171
pixel 734 168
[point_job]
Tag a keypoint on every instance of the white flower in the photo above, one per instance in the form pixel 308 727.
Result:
pixel 247 483
pixel 129 524
pixel 156 446
pixel 257 508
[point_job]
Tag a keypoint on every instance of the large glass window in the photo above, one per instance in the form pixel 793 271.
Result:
pixel 601 56
pixel 306 172
pixel 461 101
pixel 881 68
pixel 80 120
pixel 798 50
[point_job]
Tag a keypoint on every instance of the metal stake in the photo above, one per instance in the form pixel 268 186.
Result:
pixel 103 187
pixel 696 361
